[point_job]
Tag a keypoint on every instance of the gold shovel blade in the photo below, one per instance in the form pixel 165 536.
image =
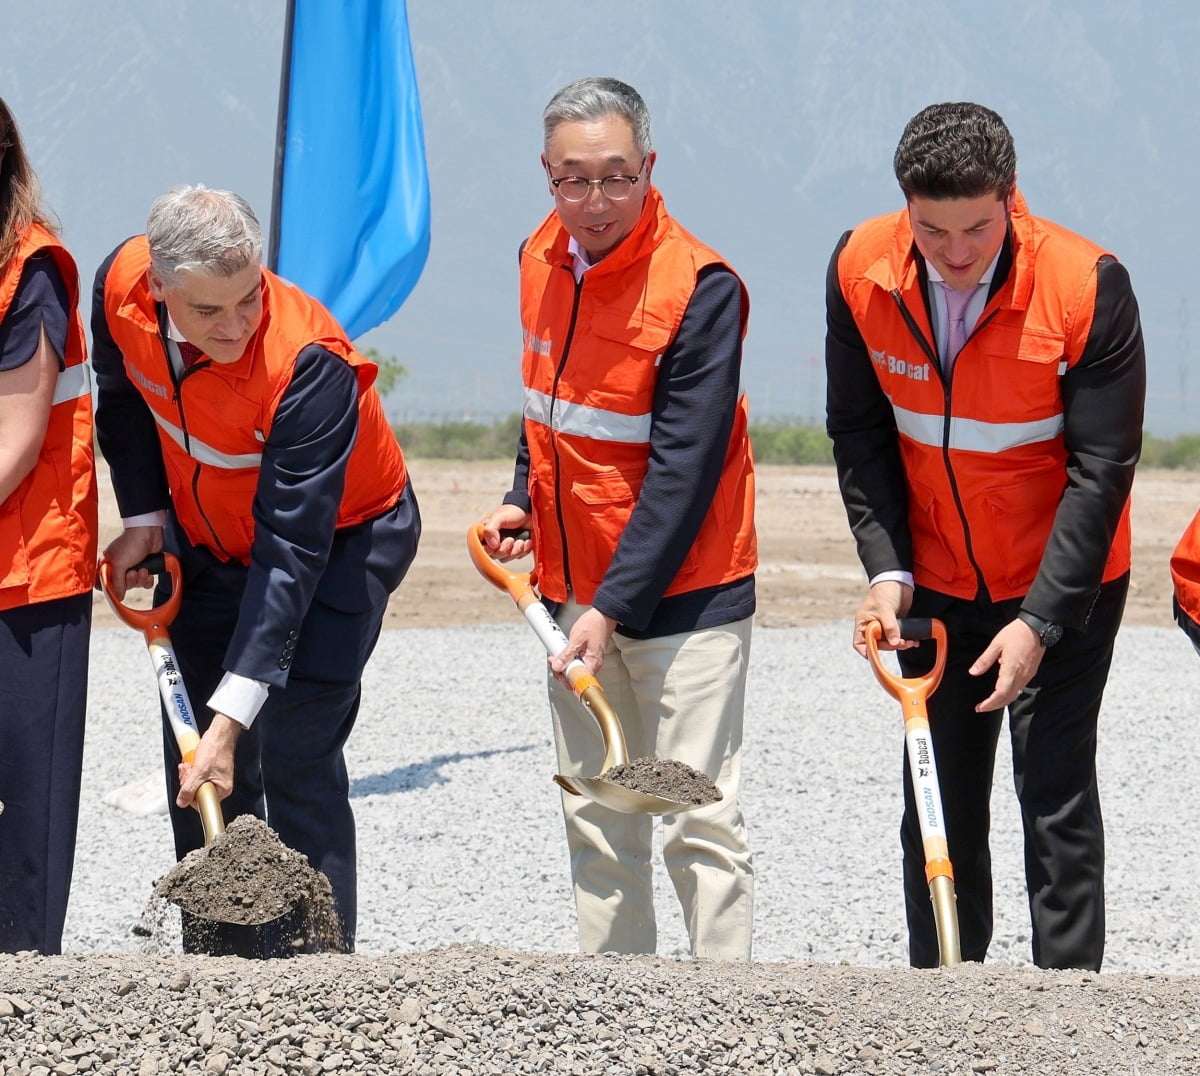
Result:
pixel 619 798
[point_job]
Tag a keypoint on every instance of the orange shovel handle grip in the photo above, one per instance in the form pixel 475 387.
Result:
pixel 517 584
pixel 152 623
pixel 897 686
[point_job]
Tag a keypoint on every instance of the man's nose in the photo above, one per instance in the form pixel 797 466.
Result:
pixel 231 325
pixel 958 248
pixel 596 199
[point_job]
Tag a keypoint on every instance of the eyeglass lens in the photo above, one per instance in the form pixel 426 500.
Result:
pixel 614 188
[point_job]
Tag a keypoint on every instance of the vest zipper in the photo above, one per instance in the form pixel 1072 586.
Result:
pixel 177 399
pixel 562 362
pixel 915 329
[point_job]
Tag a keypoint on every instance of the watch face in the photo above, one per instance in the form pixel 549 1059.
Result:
pixel 1052 634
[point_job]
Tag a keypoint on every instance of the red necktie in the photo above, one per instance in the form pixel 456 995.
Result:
pixel 190 353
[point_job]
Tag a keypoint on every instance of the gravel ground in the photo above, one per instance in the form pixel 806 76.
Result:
pixel 466 932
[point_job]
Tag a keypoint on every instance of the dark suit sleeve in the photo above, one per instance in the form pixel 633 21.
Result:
pixel 866 446
pixel 125 428
pixel 295 510
pixel 1103 399
pixel 695 402
pixel 519 494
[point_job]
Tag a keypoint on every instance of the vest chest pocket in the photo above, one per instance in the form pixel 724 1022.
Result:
pixel 1020 369
pixel 1038 347
pixel 625 352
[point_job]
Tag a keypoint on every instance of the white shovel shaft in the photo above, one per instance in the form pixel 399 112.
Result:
pixel 175 697
pixel 923 769
pixel 546 628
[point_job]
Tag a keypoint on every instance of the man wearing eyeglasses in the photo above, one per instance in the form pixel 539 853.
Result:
pixel 635 478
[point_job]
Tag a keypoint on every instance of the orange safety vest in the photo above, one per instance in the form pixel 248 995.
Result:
pixel 1185 576
pixel 212 428
pixel 984 474
pixel 48 524
pixel 590 365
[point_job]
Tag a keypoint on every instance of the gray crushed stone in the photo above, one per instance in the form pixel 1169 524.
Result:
pixel 466 937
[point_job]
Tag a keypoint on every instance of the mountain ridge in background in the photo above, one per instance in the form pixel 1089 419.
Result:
pixel 775 125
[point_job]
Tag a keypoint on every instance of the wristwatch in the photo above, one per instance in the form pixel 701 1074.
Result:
pixel 1048 634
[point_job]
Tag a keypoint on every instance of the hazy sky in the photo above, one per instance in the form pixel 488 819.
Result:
pixel 774 122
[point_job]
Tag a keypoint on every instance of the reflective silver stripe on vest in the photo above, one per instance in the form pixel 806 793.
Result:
pixel 582 421
pixel 73 383
pixel 972 435
pixel 203 453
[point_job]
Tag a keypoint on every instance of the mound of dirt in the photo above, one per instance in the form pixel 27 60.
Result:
pixel 248 876
pixel 664 777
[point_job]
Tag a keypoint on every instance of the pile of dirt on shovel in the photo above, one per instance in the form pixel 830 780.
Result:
pixel 249 876
pixel 664 777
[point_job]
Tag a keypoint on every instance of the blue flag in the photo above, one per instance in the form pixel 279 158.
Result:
pixel 351 224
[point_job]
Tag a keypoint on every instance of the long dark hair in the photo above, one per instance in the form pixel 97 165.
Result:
pixel 20 196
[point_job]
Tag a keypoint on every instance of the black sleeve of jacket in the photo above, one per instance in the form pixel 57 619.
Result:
pixel 866 446
pixel 1103 399
pixel 695 402
pixel 125 428
pixel 295 510
pixel 519 494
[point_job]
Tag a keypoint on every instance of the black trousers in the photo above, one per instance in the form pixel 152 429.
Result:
pixel 44 662
pixel 1053 725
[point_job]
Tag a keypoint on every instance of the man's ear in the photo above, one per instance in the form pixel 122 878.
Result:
pixel 157 287
pixel 1012 195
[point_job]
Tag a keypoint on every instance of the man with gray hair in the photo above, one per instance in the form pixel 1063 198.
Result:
pixel 635 475
pixel 244 434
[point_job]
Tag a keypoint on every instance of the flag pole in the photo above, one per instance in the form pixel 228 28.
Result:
pixel 281 123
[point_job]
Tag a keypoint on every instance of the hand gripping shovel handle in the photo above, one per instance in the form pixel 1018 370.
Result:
pixel 519 586
pixel 912 694
pixel 153 623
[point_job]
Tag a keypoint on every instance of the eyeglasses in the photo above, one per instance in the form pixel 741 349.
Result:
pixel 615 188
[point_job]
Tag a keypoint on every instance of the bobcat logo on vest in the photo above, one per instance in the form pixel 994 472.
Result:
pixel 535 343
pixel 891 365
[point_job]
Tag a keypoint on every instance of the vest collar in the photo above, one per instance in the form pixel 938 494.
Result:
pixel 550 241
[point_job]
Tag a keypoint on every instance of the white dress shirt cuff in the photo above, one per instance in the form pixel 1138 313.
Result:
pixel 894 577
pixel 146 519
pixel 239 697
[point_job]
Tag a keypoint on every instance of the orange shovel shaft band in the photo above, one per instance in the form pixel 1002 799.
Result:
pixel 938 868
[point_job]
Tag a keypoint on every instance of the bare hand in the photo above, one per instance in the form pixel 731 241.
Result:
pixel 885 602
pixel 212 761
pixel 587 641
pixel 1019 651
pixel 131 547
pixel 504 547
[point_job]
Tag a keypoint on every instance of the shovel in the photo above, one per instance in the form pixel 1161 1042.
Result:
pixel 912 694
pixel 276 890
pixel 153 624
pixel 615 796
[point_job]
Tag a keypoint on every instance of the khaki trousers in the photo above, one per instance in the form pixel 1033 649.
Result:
pixel 678 697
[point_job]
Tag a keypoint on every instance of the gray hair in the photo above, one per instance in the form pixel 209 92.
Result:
pixel 202 231
pixel 595 99
pixel 956 149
